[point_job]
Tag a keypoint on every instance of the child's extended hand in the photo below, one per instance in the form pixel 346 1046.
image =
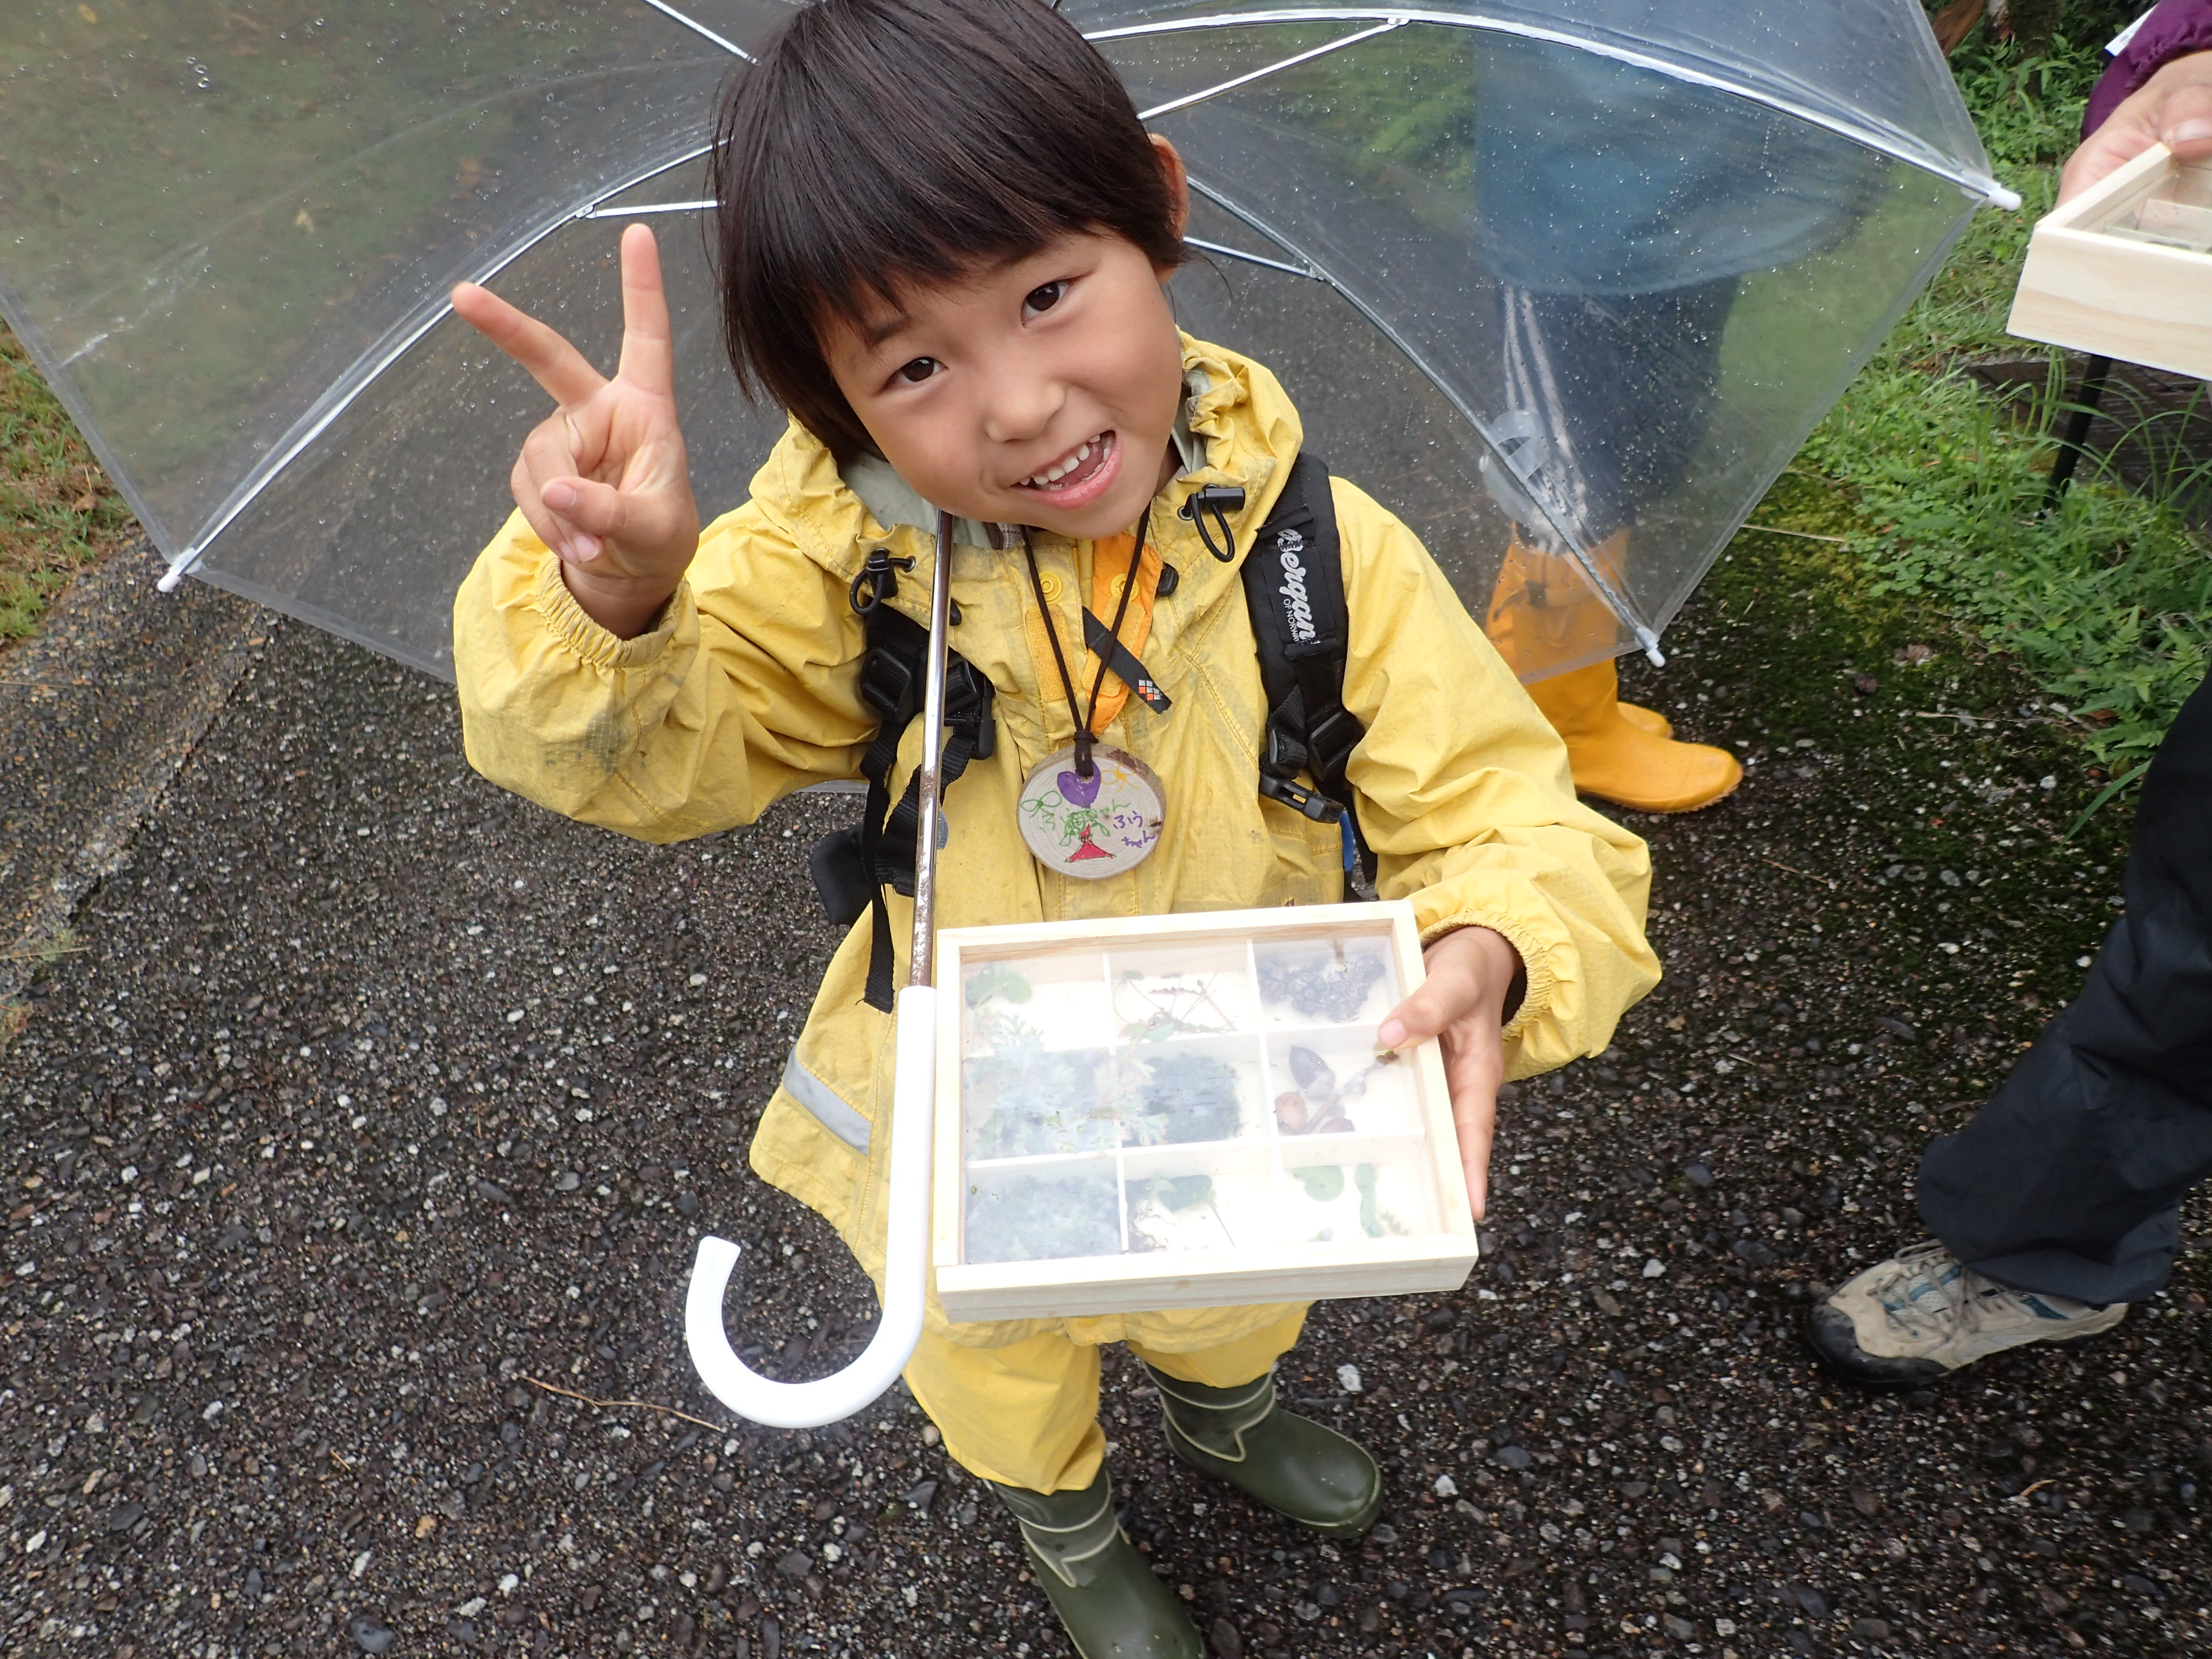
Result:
pixel 603 480
pixel 1462 1003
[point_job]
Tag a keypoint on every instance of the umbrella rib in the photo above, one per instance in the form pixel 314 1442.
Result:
pixel 600 210
pixel 1614 599
pixel 701 29
pixel 1292 62
pixel 1981 184
pixel 1226 251
pixel 400 343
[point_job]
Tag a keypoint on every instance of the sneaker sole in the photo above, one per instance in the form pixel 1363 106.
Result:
pixel 1829 1332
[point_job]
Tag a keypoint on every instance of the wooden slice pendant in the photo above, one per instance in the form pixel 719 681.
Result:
pixel 1092 828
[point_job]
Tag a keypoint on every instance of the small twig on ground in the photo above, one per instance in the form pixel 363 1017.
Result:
pixel 606 1404
pixel 1801 535
pixel 2026 1492
pixel 1791 868
pixel 43 952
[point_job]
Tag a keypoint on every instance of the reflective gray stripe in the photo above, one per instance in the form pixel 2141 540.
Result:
pixel 827 1106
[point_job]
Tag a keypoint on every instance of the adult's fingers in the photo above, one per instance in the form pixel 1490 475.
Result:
pixel 566 374
pixel 2184 124
pixel 648 351
pixel 2105 152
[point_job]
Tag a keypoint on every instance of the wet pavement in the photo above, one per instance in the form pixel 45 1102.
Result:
pixel 377 1117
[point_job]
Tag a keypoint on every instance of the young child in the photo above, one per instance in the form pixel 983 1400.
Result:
pixel 944 235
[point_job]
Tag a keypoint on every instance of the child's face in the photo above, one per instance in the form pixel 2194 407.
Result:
pixel 1063 362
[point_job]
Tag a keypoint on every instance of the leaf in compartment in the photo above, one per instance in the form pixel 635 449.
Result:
pixel 1167 1213
pixel 1324 1182
pixel 999 980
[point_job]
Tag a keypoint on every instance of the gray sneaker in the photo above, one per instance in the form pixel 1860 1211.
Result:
pixel 1923 1314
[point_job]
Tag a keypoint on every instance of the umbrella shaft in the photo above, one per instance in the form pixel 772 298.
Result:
pixel 922 956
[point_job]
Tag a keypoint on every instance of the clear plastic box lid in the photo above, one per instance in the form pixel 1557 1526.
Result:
pixel 1197 1097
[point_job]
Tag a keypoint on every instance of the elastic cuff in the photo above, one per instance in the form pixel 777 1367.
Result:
pixel 570 623
pixel 1535 962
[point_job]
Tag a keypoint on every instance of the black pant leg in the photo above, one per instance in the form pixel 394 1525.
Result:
pixel 2069 1181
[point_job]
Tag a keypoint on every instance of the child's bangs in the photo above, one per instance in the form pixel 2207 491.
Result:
pixel 883 145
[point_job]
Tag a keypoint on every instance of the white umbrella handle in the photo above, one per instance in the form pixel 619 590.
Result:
pixel 914 1117
pixel 906 1262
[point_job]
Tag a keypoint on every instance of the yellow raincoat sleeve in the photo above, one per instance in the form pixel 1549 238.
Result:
pixel 1465 796
pixel 743 690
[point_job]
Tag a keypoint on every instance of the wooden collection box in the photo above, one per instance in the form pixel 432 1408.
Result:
pixel 1189 1111
pixel 2124 270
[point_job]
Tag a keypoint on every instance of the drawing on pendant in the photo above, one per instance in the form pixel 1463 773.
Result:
pixel 1092 827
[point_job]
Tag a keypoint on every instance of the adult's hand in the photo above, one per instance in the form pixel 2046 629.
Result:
pixel 2174 108
pixel 1463 1003
pixel 603 480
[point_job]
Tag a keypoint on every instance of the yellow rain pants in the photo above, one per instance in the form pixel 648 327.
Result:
pixel 1027 1414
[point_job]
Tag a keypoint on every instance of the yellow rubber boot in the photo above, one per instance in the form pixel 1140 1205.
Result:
pixel 1621 759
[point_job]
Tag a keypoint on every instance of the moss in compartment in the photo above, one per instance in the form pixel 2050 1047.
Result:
pixel 1040 1218
pixel 1025 1100
pixel 1190 1097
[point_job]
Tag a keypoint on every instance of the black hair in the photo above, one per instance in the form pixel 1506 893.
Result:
pixel 877 145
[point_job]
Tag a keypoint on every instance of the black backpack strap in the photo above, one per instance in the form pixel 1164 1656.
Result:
pixel 879 851
pixel 1294 589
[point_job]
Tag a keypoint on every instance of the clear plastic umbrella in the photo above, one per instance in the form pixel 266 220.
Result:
pixel 1565 284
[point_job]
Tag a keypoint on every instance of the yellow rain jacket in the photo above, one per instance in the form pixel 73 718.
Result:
pixel 747 688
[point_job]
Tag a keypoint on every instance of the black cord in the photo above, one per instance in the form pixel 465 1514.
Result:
pixel 1084 736
pixel 1082 768
pixel 1226 554
pixel 1120 610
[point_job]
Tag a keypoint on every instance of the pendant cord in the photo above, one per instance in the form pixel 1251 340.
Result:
pixel 1084 735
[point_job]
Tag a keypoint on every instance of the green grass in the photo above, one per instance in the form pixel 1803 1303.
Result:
pixel 58 514
pixel 2106 604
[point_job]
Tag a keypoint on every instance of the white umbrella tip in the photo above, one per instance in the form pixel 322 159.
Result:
pixel 1998 196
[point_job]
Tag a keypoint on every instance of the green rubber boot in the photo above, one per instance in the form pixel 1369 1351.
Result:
pixel 1293 1465
pixel 1112 1605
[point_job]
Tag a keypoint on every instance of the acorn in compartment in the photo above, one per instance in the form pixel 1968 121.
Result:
pixel 1320 1104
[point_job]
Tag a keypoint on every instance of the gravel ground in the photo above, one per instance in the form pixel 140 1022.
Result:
pixel 379 1106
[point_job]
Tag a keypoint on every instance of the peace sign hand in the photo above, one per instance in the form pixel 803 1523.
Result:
pixel 603 480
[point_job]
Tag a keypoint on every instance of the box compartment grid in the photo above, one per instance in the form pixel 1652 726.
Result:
pixel 1256 1148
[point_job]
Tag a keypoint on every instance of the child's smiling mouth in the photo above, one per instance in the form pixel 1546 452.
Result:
pixel 1079 476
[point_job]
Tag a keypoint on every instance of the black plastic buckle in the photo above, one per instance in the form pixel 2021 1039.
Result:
pixel 1212 498
pixel 887 685
pixel 1312 802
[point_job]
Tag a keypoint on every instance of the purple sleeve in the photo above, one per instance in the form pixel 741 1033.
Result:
pixel 2175 30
